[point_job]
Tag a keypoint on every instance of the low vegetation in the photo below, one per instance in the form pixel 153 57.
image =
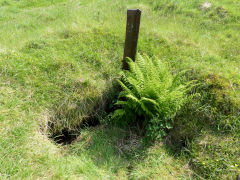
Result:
pixel 59 61
pixel 151 96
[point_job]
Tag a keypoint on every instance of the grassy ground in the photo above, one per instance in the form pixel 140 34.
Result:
pixel 58 61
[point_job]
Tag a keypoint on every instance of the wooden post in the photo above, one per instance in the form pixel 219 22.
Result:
pixel 238 177
pixel 132 31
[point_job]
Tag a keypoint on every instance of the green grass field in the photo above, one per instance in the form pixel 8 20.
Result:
pixel 58 64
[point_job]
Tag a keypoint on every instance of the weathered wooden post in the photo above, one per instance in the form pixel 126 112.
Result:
pixel 132 31
pixel 238 177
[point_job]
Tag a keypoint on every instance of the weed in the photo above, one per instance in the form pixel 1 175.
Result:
pixel 151 95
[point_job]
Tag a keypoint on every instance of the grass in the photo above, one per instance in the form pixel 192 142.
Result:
pixel 58 62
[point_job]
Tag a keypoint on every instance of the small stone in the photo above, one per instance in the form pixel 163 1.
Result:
pixel 206 5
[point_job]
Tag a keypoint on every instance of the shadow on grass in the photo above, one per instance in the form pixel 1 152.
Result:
pixel 110 148
pixel 76 113
pixel 123 154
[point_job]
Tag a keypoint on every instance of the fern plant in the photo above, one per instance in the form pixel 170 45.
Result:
pixel 151 94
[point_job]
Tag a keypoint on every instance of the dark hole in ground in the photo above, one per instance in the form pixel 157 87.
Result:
pixel 101 110
pixel 66 136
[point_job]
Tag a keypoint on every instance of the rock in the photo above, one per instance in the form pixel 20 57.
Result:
pixel 206 5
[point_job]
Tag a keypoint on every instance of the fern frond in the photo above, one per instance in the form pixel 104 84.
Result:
pixel 119 113
pixel 149 101
pixel 133 98
pixel 135 86
pixel 122 103
pixel 150 90
pixel 125 88
pixel 142 64
pixel 147 110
